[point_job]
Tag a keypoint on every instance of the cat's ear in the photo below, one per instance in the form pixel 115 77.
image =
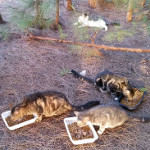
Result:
pixel 98 79
pixel 16 112
pixel 76 113
pixel 11 105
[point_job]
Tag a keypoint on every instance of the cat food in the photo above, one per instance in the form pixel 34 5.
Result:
pixel 136 99
pixel 12 123
pixel 78 133
pixel 17 124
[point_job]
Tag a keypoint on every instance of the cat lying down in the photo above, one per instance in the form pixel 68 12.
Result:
pixel 106 116
pixel 50 103
pixel 84 21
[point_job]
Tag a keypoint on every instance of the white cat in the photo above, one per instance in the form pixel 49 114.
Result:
pixel 84 21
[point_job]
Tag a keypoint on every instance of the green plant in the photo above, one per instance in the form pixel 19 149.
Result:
pixel 81 34
pixel 62 35
pixel 118 35
pixel 33 13
pixel 4 33
pixel 145 89
pixel 64 71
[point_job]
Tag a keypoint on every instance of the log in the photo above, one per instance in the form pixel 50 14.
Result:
pixel 93 45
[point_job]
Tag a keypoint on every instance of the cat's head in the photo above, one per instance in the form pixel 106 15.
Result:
pixel 128 90
pixel 82 118
pixel 99 83
pixel 17 112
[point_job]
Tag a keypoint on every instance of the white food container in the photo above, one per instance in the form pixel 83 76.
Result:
pixel 71 120
pixel 7 113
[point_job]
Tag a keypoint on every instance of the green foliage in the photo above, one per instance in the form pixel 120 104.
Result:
pixel 145 89
pixel 62 35
pixel 64 71
pixel 81 34
pixel 4 32
pixel 31 14
pixel 22 20
pixel 118 35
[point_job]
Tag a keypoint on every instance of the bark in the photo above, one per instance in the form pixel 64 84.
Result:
pixel 69 5
pixel 130 11
pixel 104 47
pixel 143 2
pixel 92 3
pixel 57 13
pixel 1 19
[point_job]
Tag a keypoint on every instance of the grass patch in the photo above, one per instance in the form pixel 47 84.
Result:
pixel 118 34
pixel 64 71
pixel 4 33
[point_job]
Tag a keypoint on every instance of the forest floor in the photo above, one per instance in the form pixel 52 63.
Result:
pixel 30 66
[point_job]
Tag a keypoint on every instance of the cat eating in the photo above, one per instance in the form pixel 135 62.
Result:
pixel 106 116
pixel 49 103
pixel 106 81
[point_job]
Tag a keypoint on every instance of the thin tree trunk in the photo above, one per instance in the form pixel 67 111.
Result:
pixel 1 19
pixel 69 5
pixel 143 2
pixel 57 13
pixel 92 3
pixel 91 44
pixel 130 11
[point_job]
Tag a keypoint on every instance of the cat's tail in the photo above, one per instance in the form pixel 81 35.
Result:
pixel 85 106
pixel 139 119
pixel 78 75
pixel 113 24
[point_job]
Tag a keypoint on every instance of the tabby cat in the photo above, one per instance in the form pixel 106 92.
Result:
pixel 106 81
pixel 106 116
pixel 49 103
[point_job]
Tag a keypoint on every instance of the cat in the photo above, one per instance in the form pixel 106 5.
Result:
pixel 106 81
pixel 106 116
pixel 48 103
pixel 83 21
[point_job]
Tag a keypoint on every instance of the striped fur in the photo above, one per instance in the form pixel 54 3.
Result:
pixel 50 103
pixel 106 81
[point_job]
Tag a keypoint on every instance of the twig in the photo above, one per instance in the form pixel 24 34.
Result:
pixel 104 47
pixel 94 37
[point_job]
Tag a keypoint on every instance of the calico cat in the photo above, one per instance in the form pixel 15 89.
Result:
pixel 106 81
pixel 49 103
pixel 106 116
pixel 83 21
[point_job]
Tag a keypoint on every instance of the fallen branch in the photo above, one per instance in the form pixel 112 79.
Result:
pixel 104 47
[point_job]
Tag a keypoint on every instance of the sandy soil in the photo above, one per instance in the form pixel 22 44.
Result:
pixel 30 66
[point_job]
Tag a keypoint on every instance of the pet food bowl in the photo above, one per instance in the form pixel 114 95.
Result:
pixel 7 113
pixel 136 105
pixel 71 120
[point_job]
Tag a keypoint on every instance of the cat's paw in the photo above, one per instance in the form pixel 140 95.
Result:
pixel 38 119
pixel 99 132
pixel 116 98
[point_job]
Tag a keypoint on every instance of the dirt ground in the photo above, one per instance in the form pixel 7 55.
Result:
pixel 30 66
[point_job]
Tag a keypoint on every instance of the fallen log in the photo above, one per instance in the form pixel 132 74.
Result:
pixel 93 45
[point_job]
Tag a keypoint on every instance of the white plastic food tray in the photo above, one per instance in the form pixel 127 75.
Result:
pixel 71 120
pixel 7 113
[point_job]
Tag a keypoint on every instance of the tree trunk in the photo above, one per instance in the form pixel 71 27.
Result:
pixel 143 2
pixel 130 11
pixel 57 13
pixel 69 5
pixel 1 19
pixel 92 3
